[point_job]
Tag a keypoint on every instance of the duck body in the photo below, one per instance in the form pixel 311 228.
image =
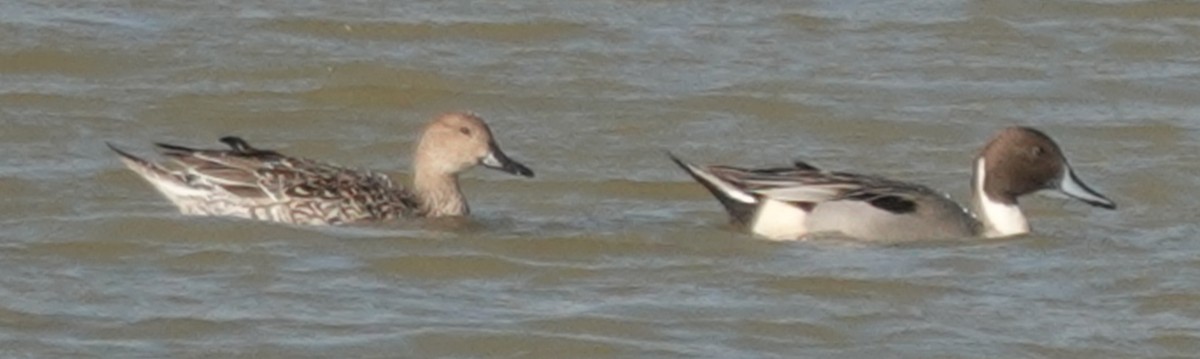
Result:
pixel 247 182
pixel 791 202
pixel 268 186
pixel 788 203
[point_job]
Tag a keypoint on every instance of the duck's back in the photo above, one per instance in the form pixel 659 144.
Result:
pixel 786 203
pixel 265 185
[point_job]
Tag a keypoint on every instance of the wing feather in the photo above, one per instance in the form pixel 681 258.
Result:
pixel 247 172
pixel 807 184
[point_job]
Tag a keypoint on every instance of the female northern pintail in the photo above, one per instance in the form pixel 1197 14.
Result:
pixel 789 203
pixel 265 185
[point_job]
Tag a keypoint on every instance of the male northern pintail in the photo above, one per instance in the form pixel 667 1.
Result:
pixel 265 185
pixel 789 203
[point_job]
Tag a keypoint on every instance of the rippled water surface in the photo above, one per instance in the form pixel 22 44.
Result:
pixel 611 251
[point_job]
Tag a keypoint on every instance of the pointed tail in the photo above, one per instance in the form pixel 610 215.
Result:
pixel 740 204
pixel 137 164
pixel 163 179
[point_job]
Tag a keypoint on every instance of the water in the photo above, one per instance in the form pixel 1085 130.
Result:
pixel 611 251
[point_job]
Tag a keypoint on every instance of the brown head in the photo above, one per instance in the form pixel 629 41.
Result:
pixel 1022 160
pixel 455 142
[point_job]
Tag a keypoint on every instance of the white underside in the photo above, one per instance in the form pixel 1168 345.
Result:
pixel 172 189
pixel 1000 219
pixel 168 185
pixel 779 221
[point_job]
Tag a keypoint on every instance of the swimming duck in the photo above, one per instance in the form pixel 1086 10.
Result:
pixel 788 203
pixel 244 181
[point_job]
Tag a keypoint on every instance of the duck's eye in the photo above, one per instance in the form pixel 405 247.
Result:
pixel 1037 151
pixel 465 131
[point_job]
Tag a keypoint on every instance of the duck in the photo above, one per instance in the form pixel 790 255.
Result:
pixel 798 201
pixel 260 184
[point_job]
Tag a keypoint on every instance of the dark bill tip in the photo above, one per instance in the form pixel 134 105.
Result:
pixel 498 160
pixel 1075 188
pixel 518 169
pixel 1105 205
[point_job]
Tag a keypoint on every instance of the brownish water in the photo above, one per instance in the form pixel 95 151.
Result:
pixel 611 251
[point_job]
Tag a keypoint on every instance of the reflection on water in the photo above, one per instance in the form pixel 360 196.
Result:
pixel 611 251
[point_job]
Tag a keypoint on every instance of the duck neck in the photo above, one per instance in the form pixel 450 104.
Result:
pixel 439 194
pixel 1001 216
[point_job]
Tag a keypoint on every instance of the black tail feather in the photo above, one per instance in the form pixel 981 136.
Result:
pixel 169 149
pixel 742 213
pixel 237 144
pixel 143 167
pixel 124 154
pixel 242 147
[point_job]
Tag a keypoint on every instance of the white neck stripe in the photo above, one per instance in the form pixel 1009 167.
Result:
pixel 1000 219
